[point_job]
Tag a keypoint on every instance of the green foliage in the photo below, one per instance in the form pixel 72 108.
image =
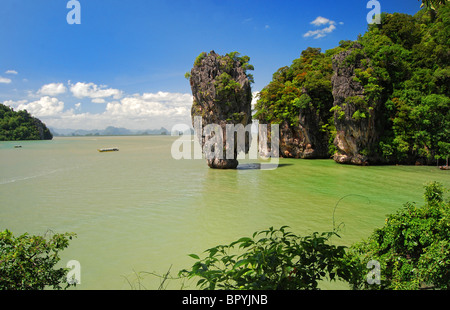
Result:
pixel 198 60
pixel 413 247
pixel 225 86
pixel 274 259
pixel 27 262
pixel 401 29
pixel 433 4
pixel 20 125
pixel 361 105
pixel 358 115
pixel 244 62
pixel 338 110
pixel 411 76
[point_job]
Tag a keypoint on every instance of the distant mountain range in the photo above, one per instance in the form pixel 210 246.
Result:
pixel 108 131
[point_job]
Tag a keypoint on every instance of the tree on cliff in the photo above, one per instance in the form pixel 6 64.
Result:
pixel 21 125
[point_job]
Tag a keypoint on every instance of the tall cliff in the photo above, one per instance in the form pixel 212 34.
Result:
pixel 356 117
pixel 305 139
pixel 222 95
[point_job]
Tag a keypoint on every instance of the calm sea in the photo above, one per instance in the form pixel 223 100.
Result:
pixel 140 210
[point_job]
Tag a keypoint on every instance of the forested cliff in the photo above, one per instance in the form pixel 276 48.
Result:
pixel 21 125
pixel 381 99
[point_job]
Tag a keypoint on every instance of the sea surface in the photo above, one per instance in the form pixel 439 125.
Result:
pixel 139 211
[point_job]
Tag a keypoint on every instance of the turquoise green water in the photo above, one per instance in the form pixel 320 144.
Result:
pixel 140 210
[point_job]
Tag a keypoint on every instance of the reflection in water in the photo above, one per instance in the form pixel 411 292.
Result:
pixel 249 166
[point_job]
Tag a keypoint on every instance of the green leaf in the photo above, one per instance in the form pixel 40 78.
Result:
pixel 195 256
pixel 240 263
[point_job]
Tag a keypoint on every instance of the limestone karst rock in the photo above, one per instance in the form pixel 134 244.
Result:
pixel 356 118
pixel 305 140
pixel 221 95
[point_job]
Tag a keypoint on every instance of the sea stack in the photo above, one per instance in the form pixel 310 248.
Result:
pixel 221 96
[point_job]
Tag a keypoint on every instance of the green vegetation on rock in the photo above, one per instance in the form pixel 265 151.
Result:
pixel 21 125
pixel 399 94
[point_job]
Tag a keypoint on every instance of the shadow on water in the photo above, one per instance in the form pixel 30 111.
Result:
pixel 258 166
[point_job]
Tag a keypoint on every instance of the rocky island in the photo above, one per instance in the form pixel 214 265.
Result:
pixel 222 95
pixel 381 99
pixel 20 125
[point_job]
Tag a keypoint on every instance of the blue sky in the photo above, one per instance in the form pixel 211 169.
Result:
pixel 124 64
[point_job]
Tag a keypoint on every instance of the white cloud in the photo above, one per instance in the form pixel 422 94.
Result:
pixel 11 72
pixel 319 21
pixel 133 111
pixel 93 91
pixel 45 106
pixel 98 100
pixel 139 111
pixel 149 110
pixel 5 80
pixel 161 104
pixel 13 103
pixel 319 33
pixel 52 89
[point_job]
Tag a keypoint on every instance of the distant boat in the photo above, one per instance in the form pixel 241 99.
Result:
pixel 17 146
pixel 109 149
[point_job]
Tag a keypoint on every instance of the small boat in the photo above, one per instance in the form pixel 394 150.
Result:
pixel 109 149
pixel 444 167
pixel 17 146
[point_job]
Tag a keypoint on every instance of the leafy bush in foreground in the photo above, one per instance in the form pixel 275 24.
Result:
pixel 273 259
pixel 413 247
pixel 27 262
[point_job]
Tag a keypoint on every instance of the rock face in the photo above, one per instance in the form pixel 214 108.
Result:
pixel 315 141
pixel 304 141
pixel 222 95
pixel 290 141
pixel 356 119
pixel 44 132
